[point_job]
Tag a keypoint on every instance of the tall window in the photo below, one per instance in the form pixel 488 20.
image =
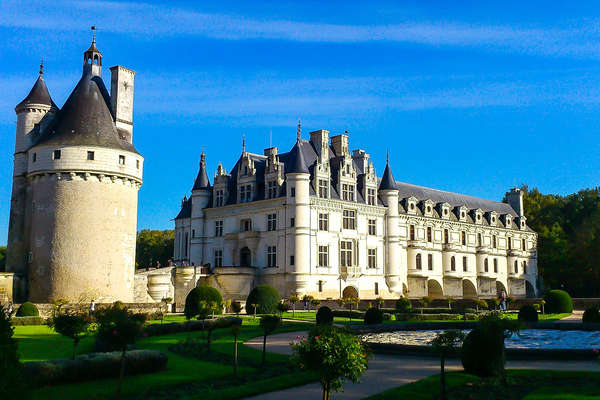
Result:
pixel 418 262
pixel 246 225
pixel 371 197
pixel 271 190
pixel 452 264
pixel 34 157
pixel 271 222
pixel 347 192
pixel 465 268
pixel 346 253
pixel 242 194
pixel 509 242
pixel 323 256
pixel 412 232
pixel 323 188
pixel 271 256
pixel 429 236
pixel 218 228
pixel 248 192
pixel 185 246
pixel 372 258
pixel 494 241
pixel 121 160
pixel 56 155
pixel 219 198
pixel 349 221
pixel 372 227
pixel 293 192
pixel 463 238
pixel 376 288
pixel 479 239
pixel 495 265
pixel 218 258
pixel 524 244
pixel 323 222
pixel 516 267
pixel 320 286
pixel 292 222
pixel 445 235
pixel 524 267
pixel 292 260
pixel 486 267
pixel 430 262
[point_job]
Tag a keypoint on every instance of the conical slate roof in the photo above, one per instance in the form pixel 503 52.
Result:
pixel 86 119
pixel 296 163
pixel 387 180
pixel 202 181
pixel 39 94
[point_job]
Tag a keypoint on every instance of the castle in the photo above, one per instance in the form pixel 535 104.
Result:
pixel 76 177
pixel 318 220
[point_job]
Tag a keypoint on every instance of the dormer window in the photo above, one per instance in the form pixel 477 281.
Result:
pixel 323 188
pixel 371 197
pixel 347 192
pixel 411 205
pixel 271 190
pixel 219 198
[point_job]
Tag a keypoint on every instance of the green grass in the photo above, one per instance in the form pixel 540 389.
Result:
pixel 39 343
pixel 522 384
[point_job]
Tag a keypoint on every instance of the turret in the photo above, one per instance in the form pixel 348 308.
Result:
pixel 200 200
pixel 92 58
pixel 389 195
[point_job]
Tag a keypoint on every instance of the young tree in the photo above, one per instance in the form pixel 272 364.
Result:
pixel 379 301
pixel 235 331
pixel 445 342
pixel 293 300
pixel 450 301
pixel 542 304
pixel 315 303
pixel 236 307
pixel 72 325
pixel 268 323
pixel 282 307
pixel 335 354
pixel 307 299
pixel 426 300
pixel 120 328
pixel 255 306
pixel 495 303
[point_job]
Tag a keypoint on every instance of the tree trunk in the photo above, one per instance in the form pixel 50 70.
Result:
pixel 264 355
pixel 443 376
pixel 235 356
pixel 294 310
pixel 326 391
pixel 75 343
pixel 208 341
pixel 122 373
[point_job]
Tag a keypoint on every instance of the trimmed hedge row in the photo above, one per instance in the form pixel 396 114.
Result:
pixel 349 314
pixel 591 316
pixel 93 366
pixel 21 321
pixel 189 326
pixel 433 317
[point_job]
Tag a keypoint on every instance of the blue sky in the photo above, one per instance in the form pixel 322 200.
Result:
pixel 468 96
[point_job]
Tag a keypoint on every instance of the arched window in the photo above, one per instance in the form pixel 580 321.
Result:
pixel 418 261
pixel 495 265
pixel 463 238
pixel 485 265
pixel 465 268
pixel 430 262
pixel 452 264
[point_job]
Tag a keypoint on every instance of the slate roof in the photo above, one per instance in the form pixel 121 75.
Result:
pixel 201 182
pixel 86 119
pixel 387 180
pixel 39 94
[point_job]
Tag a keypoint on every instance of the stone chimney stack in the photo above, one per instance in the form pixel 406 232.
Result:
pixel 121 99
pixel 515 199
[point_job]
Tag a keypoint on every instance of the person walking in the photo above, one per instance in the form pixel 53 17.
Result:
pixel 10 309
pixel 92 308
pixel 503 300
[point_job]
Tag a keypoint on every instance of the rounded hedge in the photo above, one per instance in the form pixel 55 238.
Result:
pixel 198 294
pixel 403 304
pixel 591 315
pixel 482 353
pixel 266 297
pixel 373 316
pixel 528 313
pixel 324 316
pixel 28 309
pixel 558 301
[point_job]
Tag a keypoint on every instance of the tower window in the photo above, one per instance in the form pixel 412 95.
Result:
pixel 429 237
pixel 121 160
pixel 465 264
pixel 516 267
pixel 376 288
pixel 34 157
pixel 137 164
pixel 495 265
pixel 494 241
pixel 452 264
pixel 219 198
pixel 445 235
pixel 479 239
pixel 418 262
pixel 372 258
pixel 524 244
pixel 486 267
pixel 320 286
pixel 509 241
pixel 56 155
pixel 412 232
pixel 292 222
pixel 293 192
pixel 292 260
pixel 90 155
pixel 524 267
pixel 430 262
pixel 463 238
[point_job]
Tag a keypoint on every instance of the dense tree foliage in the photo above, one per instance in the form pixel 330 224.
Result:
pixel 152 247
pixel 2 257
pixel 569 239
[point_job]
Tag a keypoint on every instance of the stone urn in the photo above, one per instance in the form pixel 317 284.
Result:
pixel 158 286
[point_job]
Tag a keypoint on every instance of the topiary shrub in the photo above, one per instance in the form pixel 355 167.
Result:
pixel 483 354
pixel 528 313
pixel 198 294
pixel 324 316
pixel 591 316
pixel 558 301
pixel 28 309
pixel 265 297
pixel 403 304
pixel 373 316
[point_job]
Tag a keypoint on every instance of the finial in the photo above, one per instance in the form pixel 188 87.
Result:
pixel 202 157
pixel 93 33
pixel 243 143
pixel 299 130
pixel 42 66
pixel 387 156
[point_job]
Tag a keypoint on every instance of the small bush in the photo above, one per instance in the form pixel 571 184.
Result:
pixel 482 354
pixel 403 304
pixel 94 366
pixel 266 297
pixel 429 317
pixel 348 314
pixel 324 316
pixel 189 326
pixel 558 301
pixel 198 294
pixel 28 309
pixel 528 313
pixel 373 316
pixel 435 310
pixel 591 316
pixel 21 321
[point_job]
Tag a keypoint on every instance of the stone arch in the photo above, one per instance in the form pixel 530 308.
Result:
pixel 434 289
pixel 469 290
pixel 349 292
pixel 500 287
pixel 529 289
pixel 245 257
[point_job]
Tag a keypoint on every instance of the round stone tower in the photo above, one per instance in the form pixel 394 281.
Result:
pixel 84 174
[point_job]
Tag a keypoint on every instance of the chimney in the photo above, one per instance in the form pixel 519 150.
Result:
pixel 515 199
pixel 340 144
pixel 121 100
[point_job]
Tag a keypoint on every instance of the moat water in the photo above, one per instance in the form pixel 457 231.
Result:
pixel 526 339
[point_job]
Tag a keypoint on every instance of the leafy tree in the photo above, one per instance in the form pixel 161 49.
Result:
pixel 307 300
pixel 315 303
pixel 268 323
pixel 12 382
pixel 450 301
pixel 336 355
pixel 282 307
pixel 236 307
pixel 379 301
pixel 444 343
pixel 72 325
pixel 293 300
pixel 153 246
pixel 2 258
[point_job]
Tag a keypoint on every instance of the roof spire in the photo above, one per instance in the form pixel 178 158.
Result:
pixel 93 33
pixel 42 66
pixel 387 156
pixel 243 143
pixel 299 130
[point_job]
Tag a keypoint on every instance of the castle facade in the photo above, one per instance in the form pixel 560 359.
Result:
pixel 318 220
pixel 76 176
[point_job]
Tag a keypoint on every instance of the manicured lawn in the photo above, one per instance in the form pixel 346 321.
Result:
pixel 186 377
pixel 522 384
